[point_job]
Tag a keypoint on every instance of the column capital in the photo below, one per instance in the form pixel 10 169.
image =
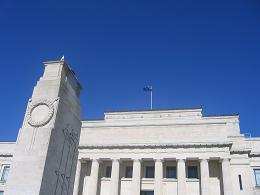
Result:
pixel 96 160
pixel 158 159
pixel 225 160
pixel 137 159
pixel 204 159
pixel 180 159
pixel 83 160
pixel 116 160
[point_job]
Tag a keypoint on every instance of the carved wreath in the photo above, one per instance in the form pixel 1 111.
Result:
pixel 46 119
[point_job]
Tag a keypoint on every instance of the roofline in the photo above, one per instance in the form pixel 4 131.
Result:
pixel 93 120
pixel 8 142
pixel 236 115
pixel 221 115
pixel 252 139
pixel 154 110
pixel 66 65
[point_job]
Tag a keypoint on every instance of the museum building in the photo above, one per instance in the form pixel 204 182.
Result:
pixel 151 152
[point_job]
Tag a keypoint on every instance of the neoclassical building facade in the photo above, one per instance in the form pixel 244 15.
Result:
pixel 155 152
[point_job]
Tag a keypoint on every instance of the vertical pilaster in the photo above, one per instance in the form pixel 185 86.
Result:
pixel 204 177
pixel 227 184
pixel 136 180
pixel 158 177
pixel 115 177
pixel 77 177
pixel 181 176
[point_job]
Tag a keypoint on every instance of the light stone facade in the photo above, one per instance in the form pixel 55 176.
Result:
pixel 181 138
pixel 161 152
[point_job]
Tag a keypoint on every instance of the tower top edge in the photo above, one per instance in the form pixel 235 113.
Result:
pixel 66 66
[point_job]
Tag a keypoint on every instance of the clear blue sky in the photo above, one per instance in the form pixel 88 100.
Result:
pixel 195 53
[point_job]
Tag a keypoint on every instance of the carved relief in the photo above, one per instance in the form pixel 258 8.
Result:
pixel 69 153
pixel 40 113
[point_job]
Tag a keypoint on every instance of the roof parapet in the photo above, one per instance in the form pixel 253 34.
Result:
pixel 152 114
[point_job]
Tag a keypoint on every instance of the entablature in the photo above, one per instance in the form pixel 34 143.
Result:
pixel 155 145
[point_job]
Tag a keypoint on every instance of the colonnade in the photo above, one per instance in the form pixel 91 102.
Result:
pixel 158 177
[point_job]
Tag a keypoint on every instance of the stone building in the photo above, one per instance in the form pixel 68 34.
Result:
pixel 161 152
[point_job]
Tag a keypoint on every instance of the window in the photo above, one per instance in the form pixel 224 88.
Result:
pixel 240 182
pixel 193 172
pixel 171 172
pixel 147 193
pixel 128 172
pixel 149 172
pixel 257 177
pixel 108 171
pixel 5 172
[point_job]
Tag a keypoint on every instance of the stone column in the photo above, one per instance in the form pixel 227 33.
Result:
pixel 136 180
pixel 93 182
pixel 158 177
pixel 181 176
pixel 227 184
pixel 77 178
pixel 204 177
pixel 114 185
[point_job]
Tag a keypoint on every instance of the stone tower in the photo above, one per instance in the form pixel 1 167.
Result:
pixel 47 144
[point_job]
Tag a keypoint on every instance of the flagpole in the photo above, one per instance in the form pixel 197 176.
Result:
pixel 149 88
pixel 151 99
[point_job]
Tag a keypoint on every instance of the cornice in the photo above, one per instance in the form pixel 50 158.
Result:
pixel 175 145
pixel 246 151
pixel 8 142
pixel 98 124
pixel 6 155
pixel 254 155
pixel 252 139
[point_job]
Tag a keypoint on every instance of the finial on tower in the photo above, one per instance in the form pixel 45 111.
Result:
pixel 62 58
